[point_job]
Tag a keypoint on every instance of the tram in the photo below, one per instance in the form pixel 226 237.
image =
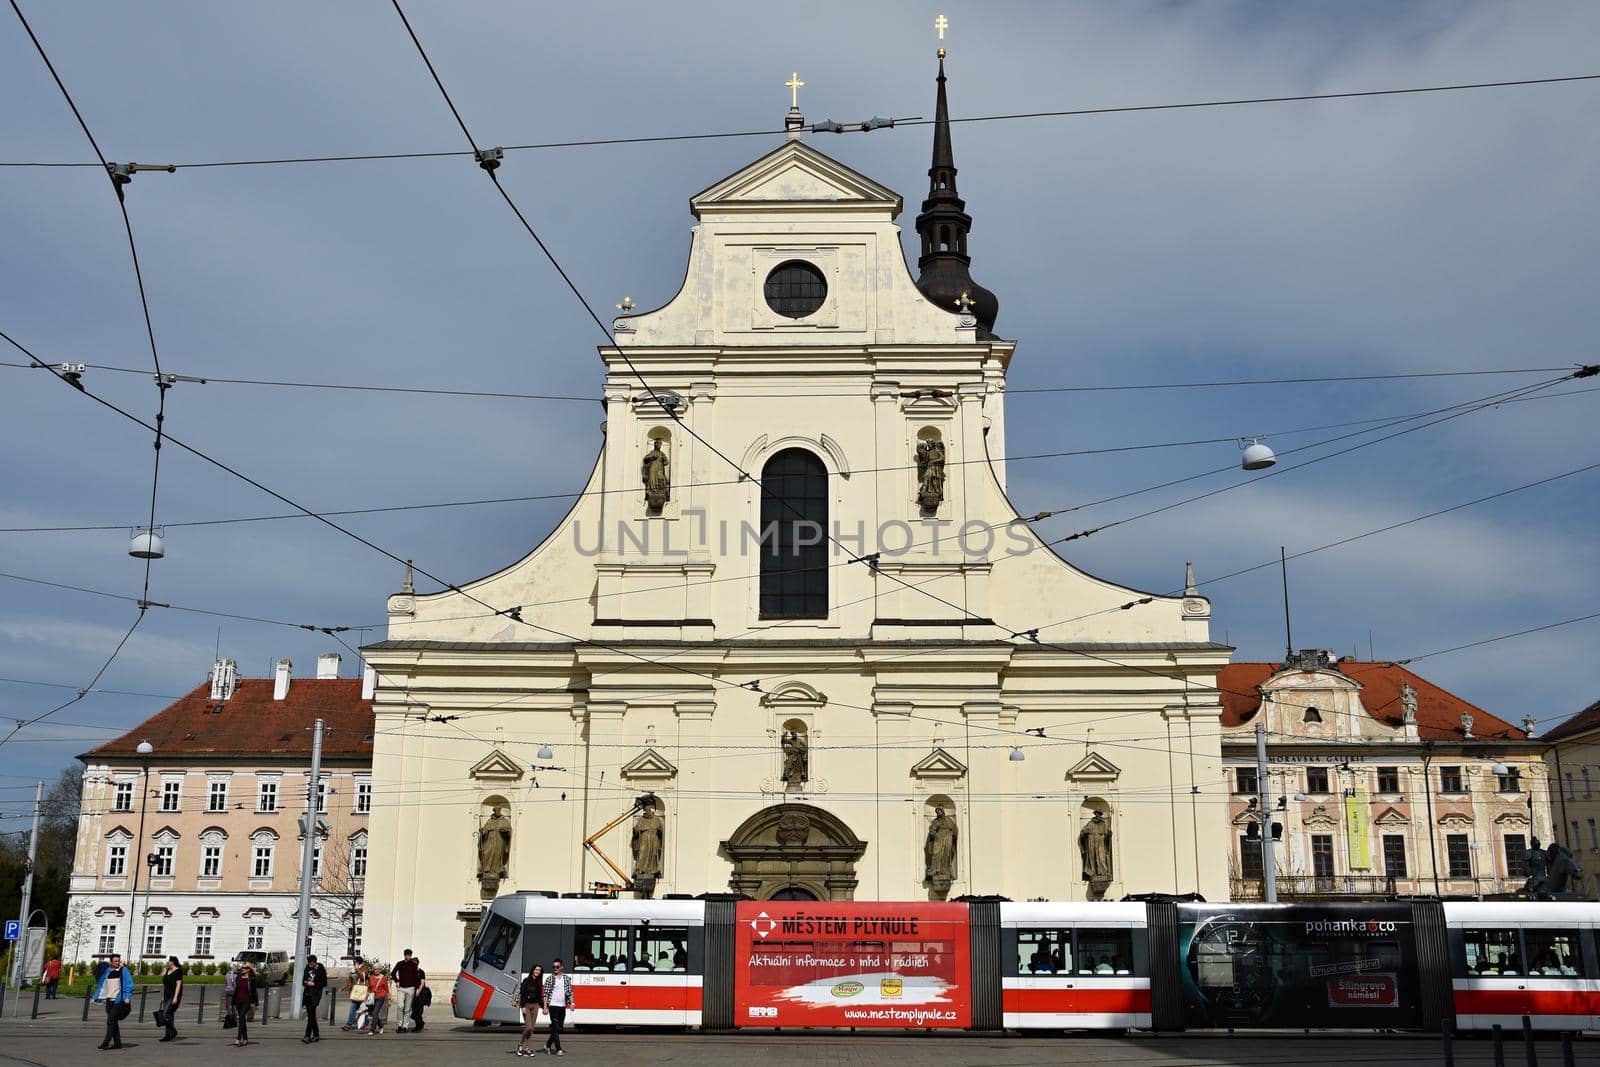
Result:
pixel 721 963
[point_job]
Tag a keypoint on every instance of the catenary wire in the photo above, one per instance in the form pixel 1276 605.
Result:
pixel 81 693
pixel 660 138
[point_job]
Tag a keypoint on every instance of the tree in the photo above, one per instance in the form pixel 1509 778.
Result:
pixel 336 894
pixel 76 932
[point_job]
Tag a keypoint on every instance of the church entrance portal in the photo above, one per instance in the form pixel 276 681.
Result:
pixel 794 852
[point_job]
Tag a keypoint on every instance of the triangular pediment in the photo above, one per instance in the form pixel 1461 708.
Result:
pixel 496 767
pixel 1094 768
pixel 791 175
pixel 649 765
pixel 938 764
pixel 1392 817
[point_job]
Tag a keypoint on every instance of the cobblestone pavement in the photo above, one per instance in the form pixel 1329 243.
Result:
pixel 60 1041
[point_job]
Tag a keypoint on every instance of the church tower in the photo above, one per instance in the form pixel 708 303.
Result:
pixel 795 607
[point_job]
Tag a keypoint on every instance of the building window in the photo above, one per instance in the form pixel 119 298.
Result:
pixel 1516 846
pixel 267 795
pixel 255 937
pixel 1450 780
pixel 261 867
pixel 1388 779
pixel 1394 855
pixel 117 860
pixel 355 939
pixel 358 856
pixel 1458 855
pixel 165 855
pixel 316 860
pixel 154 935
pixel 217 795
pixel 1316 779
pixel 794 536
pixel 211 861
pixel 1569 785
pixel 123 800
pixel 1311 715
pixel 108 939
pixel 795 289
pixel 1594 835
pixel 1245 781
pixel 1576 840
pixel 322 796
pixel 171 794
pixel 1250 858
pixel 363 796
pixel 1511 781
pixel 1585 781
pixel 202 940
pixel 1322 855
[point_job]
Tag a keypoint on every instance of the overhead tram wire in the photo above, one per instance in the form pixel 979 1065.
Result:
pixel 573 495
pixel 913 121
pixel 23 724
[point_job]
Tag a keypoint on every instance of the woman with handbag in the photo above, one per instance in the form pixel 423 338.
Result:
pixel 171 994
pixel 242 1003
pixel 378 994
pixel 354 987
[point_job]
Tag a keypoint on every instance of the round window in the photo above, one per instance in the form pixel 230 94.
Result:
pixel 795 289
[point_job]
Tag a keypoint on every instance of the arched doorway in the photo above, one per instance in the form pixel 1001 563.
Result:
pixel 794 852
pixel 793 892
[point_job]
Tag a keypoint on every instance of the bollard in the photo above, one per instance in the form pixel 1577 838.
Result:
pixel 88 998
pixel 1527 1042
pixel 1499 1047
pixel 2 1000
pixel 36 988
pixel 144 997
pixel 333 1012
pixel 266 1005
pixel 1449 1048
pixel 200 1011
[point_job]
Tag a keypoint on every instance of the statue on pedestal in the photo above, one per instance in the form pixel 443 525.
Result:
pixel 1094 846
pixel 939 852
pixel 796 758
pixel 930 474
pixel 656 473
pixel 649 837
pixel 494 850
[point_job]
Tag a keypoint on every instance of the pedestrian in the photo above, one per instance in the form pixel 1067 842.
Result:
pixel 52 977
pixel 378 994
pixel 171 994
pixel 243 1002
pixel 404 982
pixel 316 981
pixel 420 1002
pixel 355 989
pixel 557 1001
pixel 114 990
pixel 530 999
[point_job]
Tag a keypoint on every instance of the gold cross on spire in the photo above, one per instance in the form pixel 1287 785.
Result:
pixel 941 24
pixel 793 85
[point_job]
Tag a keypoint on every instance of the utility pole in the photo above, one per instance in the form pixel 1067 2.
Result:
pixel 1269 875
pixel 308 851
pixel 18 949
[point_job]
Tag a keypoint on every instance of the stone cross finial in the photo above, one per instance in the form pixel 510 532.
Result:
pixel 627 305
pixel 964 302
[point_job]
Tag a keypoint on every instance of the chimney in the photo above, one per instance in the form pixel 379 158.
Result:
pixel 224 676
pixel 328 665
pixel 369 681
pixel 280 679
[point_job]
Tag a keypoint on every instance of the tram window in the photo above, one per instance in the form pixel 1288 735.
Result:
pixel 496 941
pixel 1554 952
pixel 1493 952
pixel 663 948
pixel 600 948
pixel 1105 951
pixel 1044 952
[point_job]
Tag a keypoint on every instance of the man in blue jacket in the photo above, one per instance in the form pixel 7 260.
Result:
pixel 114 990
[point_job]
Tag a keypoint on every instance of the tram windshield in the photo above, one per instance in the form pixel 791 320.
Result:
pixel 496 940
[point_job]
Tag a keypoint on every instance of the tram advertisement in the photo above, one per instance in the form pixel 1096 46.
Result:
pixel 1333 965
pixel 851 964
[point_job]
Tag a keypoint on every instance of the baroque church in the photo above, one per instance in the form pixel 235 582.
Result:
pixel 793 641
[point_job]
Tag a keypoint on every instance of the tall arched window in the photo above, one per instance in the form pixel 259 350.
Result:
pixel 794 536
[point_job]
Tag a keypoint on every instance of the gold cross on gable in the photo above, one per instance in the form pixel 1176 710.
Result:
pixel 941 24
pixel 793 85
pixel 964 302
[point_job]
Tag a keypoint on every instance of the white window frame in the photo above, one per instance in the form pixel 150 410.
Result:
pixel 217 794
pixel 108 939
pixel 363 796
pixel 358 857
pixel 202 940
pixel 262 854
pixel 171 794
pixel 155 937
pixel 211 858
pixel 323 789
pixel 122 795
pixel 166 853
pixel 267 794
pixel 255 938
pixel 316 859
pixel 117 857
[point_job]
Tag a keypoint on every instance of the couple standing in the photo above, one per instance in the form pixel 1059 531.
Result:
pixel 550 993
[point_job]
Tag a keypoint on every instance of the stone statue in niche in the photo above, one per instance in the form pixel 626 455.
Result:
pixel 1094 846
pixel 796 758
pixel 939 852
pixel 656 473
pixel 494 849
pixel 649 837
pixel 930 474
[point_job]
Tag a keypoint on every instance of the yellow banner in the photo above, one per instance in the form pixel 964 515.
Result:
pixel 1358 841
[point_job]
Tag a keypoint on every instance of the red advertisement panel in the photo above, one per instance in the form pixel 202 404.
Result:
pixel 1364 991
pixel 851 964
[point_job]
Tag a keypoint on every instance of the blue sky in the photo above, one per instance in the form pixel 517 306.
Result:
pixel 1393 234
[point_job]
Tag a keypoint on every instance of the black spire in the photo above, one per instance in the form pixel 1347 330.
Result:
pixel 944 225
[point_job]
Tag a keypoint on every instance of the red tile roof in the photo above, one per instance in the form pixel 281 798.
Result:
pixel 1438 711
pixel 251 723
pixel 1587 719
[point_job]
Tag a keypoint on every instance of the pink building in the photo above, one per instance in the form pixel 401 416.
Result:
pixel 194 850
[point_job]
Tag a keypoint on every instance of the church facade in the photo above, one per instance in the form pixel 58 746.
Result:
pixel 793 640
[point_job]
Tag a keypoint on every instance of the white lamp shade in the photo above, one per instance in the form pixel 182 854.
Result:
pixel 146 544
pixel 545 753
pixel 1257 456
pixel 145 748
pixel 1017 756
